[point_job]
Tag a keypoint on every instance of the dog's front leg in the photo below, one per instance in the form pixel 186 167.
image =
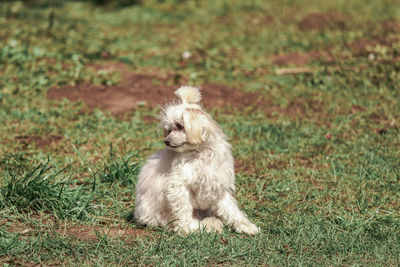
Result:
pixel 178 196
pixel 228 210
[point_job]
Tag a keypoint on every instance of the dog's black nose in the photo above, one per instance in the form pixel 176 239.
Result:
pixel 167 142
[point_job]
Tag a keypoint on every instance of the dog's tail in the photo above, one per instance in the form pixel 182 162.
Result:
pixel 189 94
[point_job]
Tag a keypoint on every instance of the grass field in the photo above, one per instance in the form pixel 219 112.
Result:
pixel 307 91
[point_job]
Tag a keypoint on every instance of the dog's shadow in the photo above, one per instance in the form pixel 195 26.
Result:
pixel 129 217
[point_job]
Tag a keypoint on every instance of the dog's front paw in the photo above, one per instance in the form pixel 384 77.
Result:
pixel 187 228
pixel 211 224
pixel 248 228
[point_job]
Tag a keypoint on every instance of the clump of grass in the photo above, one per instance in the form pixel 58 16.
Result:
pixel 7 241
pixel 15 161
pixel 38 190
pixel 120 170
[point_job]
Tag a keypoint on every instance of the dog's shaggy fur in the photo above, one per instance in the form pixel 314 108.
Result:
pixel 191 183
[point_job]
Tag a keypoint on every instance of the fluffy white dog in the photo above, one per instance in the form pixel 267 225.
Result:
pixel 191 183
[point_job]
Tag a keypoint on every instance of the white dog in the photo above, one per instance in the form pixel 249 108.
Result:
pixel 191 183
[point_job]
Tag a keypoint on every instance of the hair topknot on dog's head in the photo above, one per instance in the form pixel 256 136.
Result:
pixel 188 94
pixel 196 126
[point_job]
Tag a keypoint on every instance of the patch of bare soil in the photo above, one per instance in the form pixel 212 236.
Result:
pixel 245 166
pixel 248 166
pixel 299 108
pixel 384 34
pixel 323 21
pixel 137 89
pixel 38 141
pixel 221 95
pixel 357 109
pixel 362 47
pixel 299 59
pixel 92 233
pixel 391 26
pixel 263 21
pixel 14 261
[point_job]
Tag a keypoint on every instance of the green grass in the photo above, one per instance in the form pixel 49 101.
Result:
pixel 37 190
pixel 320 160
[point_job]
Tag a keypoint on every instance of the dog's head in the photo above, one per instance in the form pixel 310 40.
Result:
pixel 185 123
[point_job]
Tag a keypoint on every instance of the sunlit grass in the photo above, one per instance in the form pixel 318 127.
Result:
pixel 318 164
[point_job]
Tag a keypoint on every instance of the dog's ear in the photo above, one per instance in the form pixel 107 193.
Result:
pixel 197 125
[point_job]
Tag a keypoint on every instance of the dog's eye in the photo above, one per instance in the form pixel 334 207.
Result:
pixel 179 126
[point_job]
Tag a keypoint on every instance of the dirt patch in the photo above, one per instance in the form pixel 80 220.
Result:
pixel 299 59
pixel 299 108
pixel 132 91
pixel 245 166
pixel 248 166
pixel 357 109
pixel 93 233
pixel 323 21
pixel 383 34
pixel 14 261
pixel 391 26
pixel 38 141
pixel 223 96
pixel 363 47
pixel 136 89
pixel 262 21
